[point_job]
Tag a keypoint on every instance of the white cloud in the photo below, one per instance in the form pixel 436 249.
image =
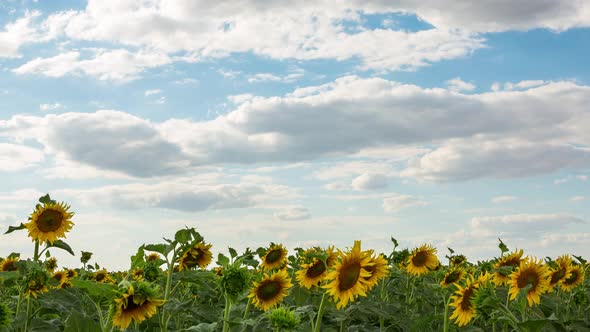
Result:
pixel 577 198
pixel 457 84
pixel 293 213
pixel 152 92
pixel 14 157
pixel 266 77
pixel 522 223
pixel 18 33
pixel 399 202
pixel 503 199
pixel 523 84
pixel 186 81
pixel 370 181
pixel 50 107
pixel 582 177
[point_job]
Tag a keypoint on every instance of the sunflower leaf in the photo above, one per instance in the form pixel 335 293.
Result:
pixel 46 199
pixel 503 246
pixel 160 248
pixel 580 259
pixel 15 228
pixel 61 245
pixel 182 236
pixel 232 252
pixel 222 260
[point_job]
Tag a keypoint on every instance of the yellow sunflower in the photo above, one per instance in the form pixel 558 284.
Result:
pixel 103 276
pixel 463 302
pixel 198 255
pixel 50 221
pixel 422 260
pixel 275 257
pixel 311 274
pixel 71 273
pixel 62 279
pixel 378 268
pixel 454 275
pixel 511 260
pixel 51 264
pixel 8 264
pixel 529 272
pixel 135 304
pixel 575 279
pixel 561 272
pixel 138 274
pixel 35 282
pixel 154 256
pixel 348 280
pixel 270 290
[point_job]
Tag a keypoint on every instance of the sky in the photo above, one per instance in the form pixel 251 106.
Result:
pixel 309 123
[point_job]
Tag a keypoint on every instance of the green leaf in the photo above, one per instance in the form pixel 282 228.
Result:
pixel 138 261
pixel 97 291
pixel 15 228
pixel 222 260
pixel 46 199
pixel 79 322
pixel 196 236
pixel 203 327
pixel 61 245
pixel 580 259
pixel 182 236
pixel 533 325
pixel 233 253
pixel 161 248
pixel 502 246
pixel 395 244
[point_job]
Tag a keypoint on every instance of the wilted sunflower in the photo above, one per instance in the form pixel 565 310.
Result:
pixel 62 279
pixel 275 257
pixel 136 303
pixel 270 290
pixel 198 255
pixel 512 260
pixel 348 280
pixel 8 264
pixel 529 272
pixel 422 260
pixel 50 221
pixel 378 268
pixel 575 279
pixel 51 264
pixel 35 282
pixel 561 272
pixel 454 275
pixel 463 302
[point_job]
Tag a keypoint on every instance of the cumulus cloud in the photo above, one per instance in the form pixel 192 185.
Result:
pixel 523 223
pixel 399 202
pixel 457 84
pixel 15 157
pixel 503 199
pixel 293 213
pixel 50 107
pixel 369 181
pixel 18 33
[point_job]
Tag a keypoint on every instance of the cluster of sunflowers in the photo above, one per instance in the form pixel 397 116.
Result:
pixel 167 280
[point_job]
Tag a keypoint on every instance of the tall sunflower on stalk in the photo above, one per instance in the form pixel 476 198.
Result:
pixel 575 278
pixel 510 261
pixel 349 279
pixel 314 266
pixel 529 272
pixel 197 255
pixel 138 302
pixel 454 275
pixel 35 282
pixel 464 299
pixel 50 221
pixel 271 290
pixel 378 268
pixel 560 272
pixel 9 264
pixel 275 257
pixel 63 281
pixel 422 260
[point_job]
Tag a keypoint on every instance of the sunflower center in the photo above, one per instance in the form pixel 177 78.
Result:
pixel 131 305
pixel 8 265
pixel 420 259
pixel 557 275
pixel 49 220
pixel 268 290
pixel 100 276
pixel 273 256
pixel 527 277
pixel 466 300
pixel 349 275
pixel 452 277
pixel 316 270
pixel 572 279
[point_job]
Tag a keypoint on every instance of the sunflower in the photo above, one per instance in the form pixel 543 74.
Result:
pixel 348 280
pixel 530 272
pixel 561 272
pixel 35 282
pixel 458 260
pixel 454 275
pixel 138 274
pixel 154 256
pixel 422 260
pixel 270 290
pixel 8 264
pixel 314 268
pixel 50 221
pixel 62 279
pixel 198 255
pixel 512 260
pixel 575 279
pixel 275 257
pixel 103 276
pixel 51 264
pixel 136 303
pixel 463 302
pixel 378 268
pixel 71 273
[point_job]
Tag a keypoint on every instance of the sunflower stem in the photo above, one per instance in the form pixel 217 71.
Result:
pixel 164 322
pixel 446 324
pixel 247 310
pixel 19 301
pixel 342 325
pixel 382 296
pixel 318 322
pixel 226 313
pixel 36 252
pixel 29 308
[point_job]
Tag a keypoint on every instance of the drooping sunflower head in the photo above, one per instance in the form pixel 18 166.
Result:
pixel 505 265
pixel 283 319
pixel 50 222
pixel 9 264
pixel 151 271
pixel 51 264
pixel 457 260
pixel 103 276
pixel 575 279
pixel 529 272
pixel 197 255
pixel 422 260
pixel 5 315
pixel 378 268
pixel 137 274
pixel 62 279
pixel 137 303
pixel 275 257
pixel 463 302
pixel 35 282
pixel 234 281
pixel 348 280
pixel 454 275
pixel 560 272
pixel 271 290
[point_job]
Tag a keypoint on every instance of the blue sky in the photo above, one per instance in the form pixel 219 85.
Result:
pixel 444 122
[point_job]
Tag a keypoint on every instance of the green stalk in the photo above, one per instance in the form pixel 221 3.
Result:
pixel 382 296
pixel 446 322
pixel 164 321
pixel 318 322
pixel 247 310
pixel 226 313
pixel 29 306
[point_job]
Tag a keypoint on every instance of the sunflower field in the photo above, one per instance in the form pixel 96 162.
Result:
pixel 180 285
